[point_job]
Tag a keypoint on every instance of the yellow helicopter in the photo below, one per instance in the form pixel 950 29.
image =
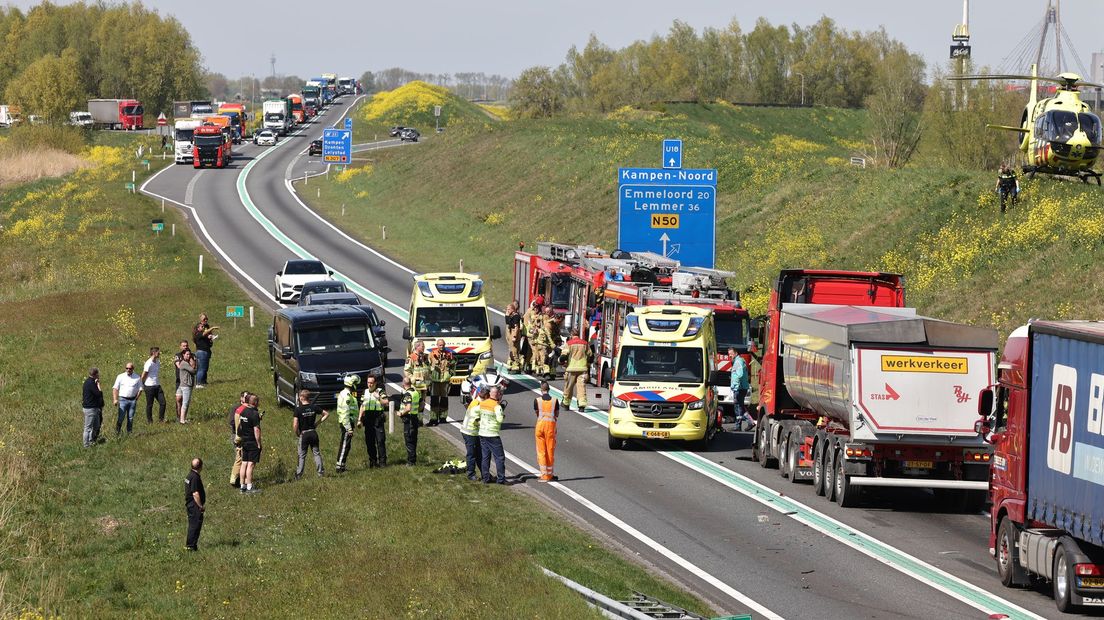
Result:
pixel 1061 135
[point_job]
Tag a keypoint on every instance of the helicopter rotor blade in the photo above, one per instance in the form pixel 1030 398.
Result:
pixel 1061 82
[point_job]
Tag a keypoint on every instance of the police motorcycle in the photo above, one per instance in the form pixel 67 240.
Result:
pixel 489 379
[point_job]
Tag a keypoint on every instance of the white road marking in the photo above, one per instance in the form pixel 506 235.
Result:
pixel 191 185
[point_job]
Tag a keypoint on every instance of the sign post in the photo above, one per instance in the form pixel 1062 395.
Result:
pixel 337 146
pixel 157 226
pixel 235 312
pixel 672 154
pixel 437 116
pixel 670 211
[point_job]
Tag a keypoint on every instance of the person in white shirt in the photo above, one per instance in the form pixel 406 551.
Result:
pixel 125 396
pixel 151 385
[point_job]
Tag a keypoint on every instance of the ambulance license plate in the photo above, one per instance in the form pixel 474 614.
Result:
pixel 657 434
pixel 919 464
pixel 456 380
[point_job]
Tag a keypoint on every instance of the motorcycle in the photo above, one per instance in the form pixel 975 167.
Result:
pixel 489 379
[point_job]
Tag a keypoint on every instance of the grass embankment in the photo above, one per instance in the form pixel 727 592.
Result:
pixel 99 532
pixel 787 197
pixel 412 105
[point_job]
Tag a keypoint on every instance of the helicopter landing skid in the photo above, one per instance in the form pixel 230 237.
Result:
pixel 1084 175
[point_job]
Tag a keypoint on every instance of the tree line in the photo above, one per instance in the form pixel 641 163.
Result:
pixel 820 64
pixel 53 58
pixel 471 85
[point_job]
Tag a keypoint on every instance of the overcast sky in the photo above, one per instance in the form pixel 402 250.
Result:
pixel 442 36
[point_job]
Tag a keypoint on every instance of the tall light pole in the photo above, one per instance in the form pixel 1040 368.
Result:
pixel 802 75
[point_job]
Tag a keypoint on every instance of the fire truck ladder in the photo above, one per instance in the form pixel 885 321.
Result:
pixel 567 253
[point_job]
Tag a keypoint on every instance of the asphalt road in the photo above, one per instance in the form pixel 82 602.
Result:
pixel 742 537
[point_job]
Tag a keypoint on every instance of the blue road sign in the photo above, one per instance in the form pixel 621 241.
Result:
pixel 669 212
pixel 672 153
pixel 337 146
pixel 348 123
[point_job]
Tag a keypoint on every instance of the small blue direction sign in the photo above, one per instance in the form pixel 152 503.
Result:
pixel 348 123
pixel 337 146
pixel 669 212
pixel 672 154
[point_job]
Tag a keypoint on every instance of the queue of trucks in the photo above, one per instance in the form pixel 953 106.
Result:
pixel 856 392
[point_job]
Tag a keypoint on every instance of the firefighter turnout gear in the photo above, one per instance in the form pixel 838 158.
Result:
pixel 576 358
pixel 417 370
pixel 532 322
pixel 514 333
pixel 547 409
pixel 442 365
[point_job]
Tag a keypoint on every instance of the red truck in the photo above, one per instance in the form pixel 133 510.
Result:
pixel 212 147
pixel 116 113
pixel 857 391
pixel 1045 419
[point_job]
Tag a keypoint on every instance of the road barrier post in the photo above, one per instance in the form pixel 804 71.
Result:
pixel 304 178
pixel 390 417
pixel 162 205
pixel 133 177
pixel 384 232
pixel 318 193
pixel 174 230
pixel 461 265
pixel 250 317
pixel 200 263
pixel 343 209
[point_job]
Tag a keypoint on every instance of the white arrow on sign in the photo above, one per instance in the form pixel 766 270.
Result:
pixel 672 161
pixel 674 249
pixel 664 238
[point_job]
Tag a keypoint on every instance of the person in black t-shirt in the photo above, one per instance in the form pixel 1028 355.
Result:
pixel 305 424
pixel 195 502
pixel 249 432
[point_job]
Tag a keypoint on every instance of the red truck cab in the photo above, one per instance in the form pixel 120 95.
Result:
pixel 211 148
pixel 130 113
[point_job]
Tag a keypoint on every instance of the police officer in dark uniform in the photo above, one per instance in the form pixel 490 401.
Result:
pixel 1008 186
pixel 195 502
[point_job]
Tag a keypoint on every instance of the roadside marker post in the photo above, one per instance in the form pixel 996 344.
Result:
pixel 390 417
pixel 201 263
pixel 384 232
pixel 250 317
pixel 174 230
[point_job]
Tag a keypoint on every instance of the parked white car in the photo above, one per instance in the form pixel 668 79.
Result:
pixel 265 137
pixel 296 273
pixel 80 119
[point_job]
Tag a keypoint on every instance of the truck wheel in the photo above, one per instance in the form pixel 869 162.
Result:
pixel 607 380
pixel 765 460
pixel 1008 555
pixel 1063 581
pixel 847 496
pixel 818 468
pixel 784 459
pixel 792 453
pixel 830 473
pixel 615 443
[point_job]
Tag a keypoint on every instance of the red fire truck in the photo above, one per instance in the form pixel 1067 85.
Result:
pixel 595 289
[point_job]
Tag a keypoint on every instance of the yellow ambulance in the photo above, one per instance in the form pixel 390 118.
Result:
pixel 451 306
pixel 665 377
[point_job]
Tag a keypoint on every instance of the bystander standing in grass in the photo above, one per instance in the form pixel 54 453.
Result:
pixel 92 403
pixel 124 394
pixel 203 335
pixel 249 431
pixel 490 440
pixel 184 346
pixel 151 385
pixel 305 424
pixel 187 369
pixel 235 412
pixel 195 503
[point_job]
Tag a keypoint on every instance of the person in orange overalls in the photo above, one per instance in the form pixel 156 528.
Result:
pixel 547 410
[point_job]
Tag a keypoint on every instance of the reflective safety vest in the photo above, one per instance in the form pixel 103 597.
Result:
pixel 412 397
pixel 490 418
pixel 577 355
pixel 471 419
pixel 546 409
pixel 347 410
pixel 373 401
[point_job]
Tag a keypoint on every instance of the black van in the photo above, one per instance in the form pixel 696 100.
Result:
pixel 315 347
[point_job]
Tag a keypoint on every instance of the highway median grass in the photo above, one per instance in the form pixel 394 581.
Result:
pixel 788 196
pixel 100 532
